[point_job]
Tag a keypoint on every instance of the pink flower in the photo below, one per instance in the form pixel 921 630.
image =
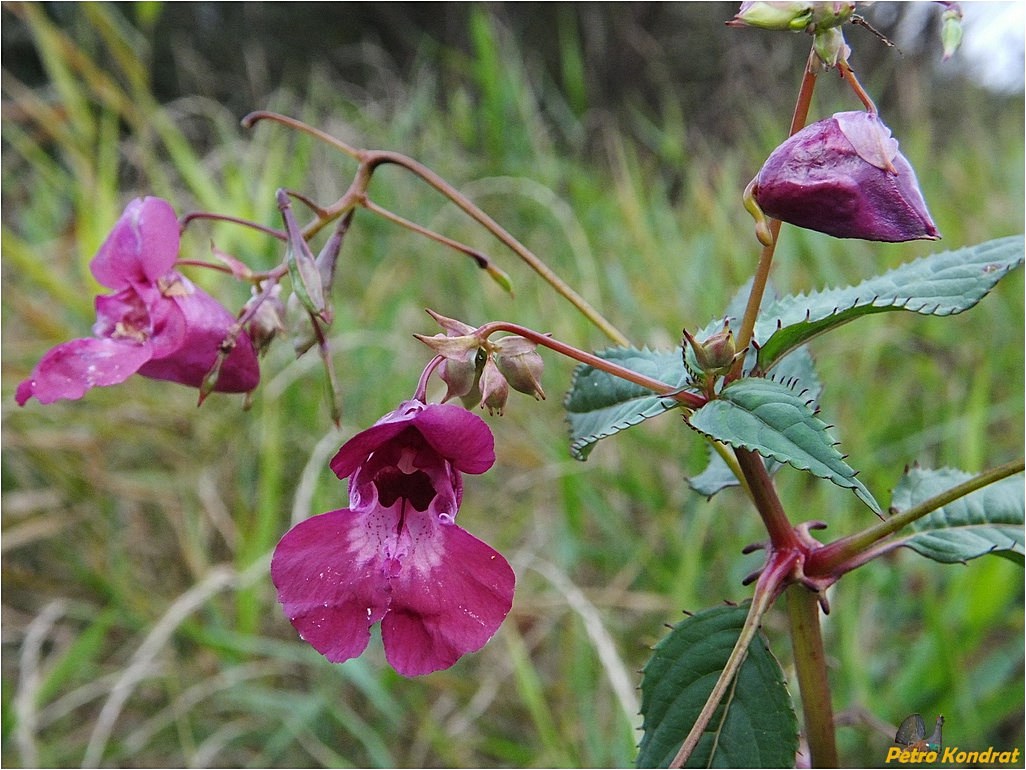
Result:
pixel 396 554
pixel 844 176
pixel 157 323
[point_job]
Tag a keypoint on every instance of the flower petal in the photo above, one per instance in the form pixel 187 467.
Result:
pixel 448 599
pixel 355 451
pixel 870 137
pixel 330 591
pixel 141 248
pixel 72 368
pixel 189 326
pixel 459 436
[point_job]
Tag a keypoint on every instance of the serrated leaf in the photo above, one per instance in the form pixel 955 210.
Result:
pixel 989 520
pixel 797 368
pixel 754 726
pixel 600 405
pixel 940 284
pixel 778 423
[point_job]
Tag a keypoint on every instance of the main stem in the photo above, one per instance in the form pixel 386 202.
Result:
pixel 803 608
pixel 810 666
pixel 767 502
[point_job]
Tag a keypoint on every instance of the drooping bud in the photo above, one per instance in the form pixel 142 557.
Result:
pixel 844 176
pixel 519 362
pixel 461 367
pixel 464 357
pixel 951 29
pixel 830 47
pixel 303 271
pixel 494 388
pixel 794 16
pixel 268 320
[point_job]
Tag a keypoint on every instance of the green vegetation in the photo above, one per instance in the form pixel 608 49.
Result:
pixel 141 626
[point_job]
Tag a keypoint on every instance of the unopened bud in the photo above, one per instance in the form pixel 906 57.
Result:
pixel 844 176
pixel 268 320
pixel 830 46
pixel 463 361
pixel 773 15
pixel 951 29
pixel 716 354
pixel 494 388
pixel 811 17
pixel 519 362
pixel 831 14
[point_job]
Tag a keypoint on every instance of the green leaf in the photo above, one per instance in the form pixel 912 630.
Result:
pixel 754 726
pixel 798 368
pixel 989 520
pixel 600 405
pixel 940 284
pixel 779 424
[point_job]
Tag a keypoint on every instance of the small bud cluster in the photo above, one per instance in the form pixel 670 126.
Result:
pixel 712 357
pixel 479 371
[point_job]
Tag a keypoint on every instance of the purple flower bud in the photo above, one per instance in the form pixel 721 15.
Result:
pixel 844 176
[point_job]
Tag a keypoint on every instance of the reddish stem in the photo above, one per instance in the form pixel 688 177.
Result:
pixel 762 270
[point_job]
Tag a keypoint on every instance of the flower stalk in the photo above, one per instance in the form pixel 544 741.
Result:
pixel 798 120
pixel 686 398
pixel 369 160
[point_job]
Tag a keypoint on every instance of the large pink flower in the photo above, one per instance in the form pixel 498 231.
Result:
pixel 396 554
pixel 157 323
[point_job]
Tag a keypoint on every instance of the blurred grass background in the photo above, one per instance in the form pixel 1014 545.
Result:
pixel 139 623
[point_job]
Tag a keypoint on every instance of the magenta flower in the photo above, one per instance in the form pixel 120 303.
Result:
pixel 844 176
pixel 396 554
pixel 157 324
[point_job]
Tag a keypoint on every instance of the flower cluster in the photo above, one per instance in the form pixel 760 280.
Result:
pixel 157 323
pixel 396 554
pixel 480 372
